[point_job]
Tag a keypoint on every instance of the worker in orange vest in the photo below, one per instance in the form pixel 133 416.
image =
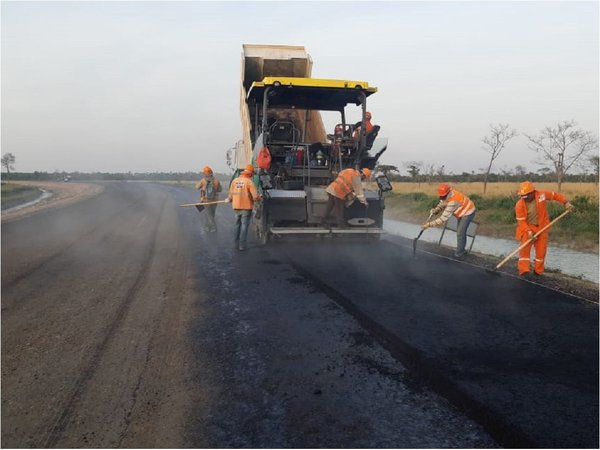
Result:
pixel 368 126
pixel 342 191
pixel 209 188
pixel 242 195
pixel 453 202
pixel 532 215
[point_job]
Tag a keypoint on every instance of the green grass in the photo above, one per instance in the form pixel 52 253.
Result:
pixel 496 215
pixel 16 194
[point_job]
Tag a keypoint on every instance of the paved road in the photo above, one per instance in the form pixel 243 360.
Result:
pixel 124 324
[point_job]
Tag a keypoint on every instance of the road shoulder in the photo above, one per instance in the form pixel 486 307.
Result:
pixel 64 194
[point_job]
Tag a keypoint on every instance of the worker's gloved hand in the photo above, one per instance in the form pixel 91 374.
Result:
pixel 227 200
pixel 203 199
pixel 432 211
pixel 425 225
pixel 365 203
pixel 530 235
pixel 569 206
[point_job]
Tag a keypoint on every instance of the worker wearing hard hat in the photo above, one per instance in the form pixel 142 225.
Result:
pixel 453 202
pixel 242 195
pixel 342 192
pixel 368 126
pixel 532 215
pixel 209 188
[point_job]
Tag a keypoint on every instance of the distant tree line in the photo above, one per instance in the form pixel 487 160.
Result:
pixel 504 176
pixel 107 176
pixel 414 172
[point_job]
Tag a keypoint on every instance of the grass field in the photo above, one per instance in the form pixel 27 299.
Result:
pixel 495 211
pixel 498 189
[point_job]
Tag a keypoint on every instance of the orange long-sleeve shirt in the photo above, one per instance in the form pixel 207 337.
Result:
pixel 543 219
pixel 243 193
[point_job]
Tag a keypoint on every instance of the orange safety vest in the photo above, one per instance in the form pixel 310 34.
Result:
pixel 342 185
pixel 242 193
pixel 466 205
pixel 216 189
pixel 541 197
pixel 368 126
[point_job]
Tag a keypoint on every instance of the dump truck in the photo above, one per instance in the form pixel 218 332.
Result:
pixel 280 110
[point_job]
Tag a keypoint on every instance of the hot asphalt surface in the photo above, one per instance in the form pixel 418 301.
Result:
pixel 125 324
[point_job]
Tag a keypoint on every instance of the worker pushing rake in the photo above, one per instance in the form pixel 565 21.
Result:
pixel 452 202
pixel 209 187
pixel 533 223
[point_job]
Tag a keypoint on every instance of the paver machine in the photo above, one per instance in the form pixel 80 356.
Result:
pixel 281 109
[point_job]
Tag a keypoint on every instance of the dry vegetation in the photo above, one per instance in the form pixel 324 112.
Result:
pixel 498 189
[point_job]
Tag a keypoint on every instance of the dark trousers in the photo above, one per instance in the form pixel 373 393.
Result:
pixel 461 233
pixel 242 223
pixel 337 206
pixel 211 224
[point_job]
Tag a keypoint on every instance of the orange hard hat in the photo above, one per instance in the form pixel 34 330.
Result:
pixel 366 172
pixel 443 189
pixel 525 188
pixel 207 170
pixel 249 168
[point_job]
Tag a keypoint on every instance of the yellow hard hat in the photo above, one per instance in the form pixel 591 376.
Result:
pixel 443 189
pixel 525 188
pixel 207 170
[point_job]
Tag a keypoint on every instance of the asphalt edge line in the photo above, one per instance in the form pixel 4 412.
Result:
pixel 501 273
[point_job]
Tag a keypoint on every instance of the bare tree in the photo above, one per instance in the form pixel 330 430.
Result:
pixel 595 163
pixel 520 170
pixel 563 146
pixel 414 170
pixel 8 159
pixel 386 169
pixel 440 172
pixel 429 172
pixel 494 144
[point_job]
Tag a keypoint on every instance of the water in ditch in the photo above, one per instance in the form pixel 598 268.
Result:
pixel 45 194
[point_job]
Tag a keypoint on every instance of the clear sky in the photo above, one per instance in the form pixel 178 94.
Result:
pixel 154 86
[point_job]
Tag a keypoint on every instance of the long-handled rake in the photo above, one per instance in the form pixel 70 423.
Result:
pixel 200 206
pixel 420 233
pixel 528 241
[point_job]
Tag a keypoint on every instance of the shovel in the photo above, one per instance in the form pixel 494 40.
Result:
pixel 200 206
pixel 528 241
pixel 417 238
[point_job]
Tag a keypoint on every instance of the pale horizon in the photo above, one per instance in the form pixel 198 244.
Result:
pixel 154 86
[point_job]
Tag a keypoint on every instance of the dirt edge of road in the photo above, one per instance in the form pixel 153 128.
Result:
pixel 64 194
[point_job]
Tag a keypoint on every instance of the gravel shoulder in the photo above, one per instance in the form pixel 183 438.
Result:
pixel 64 194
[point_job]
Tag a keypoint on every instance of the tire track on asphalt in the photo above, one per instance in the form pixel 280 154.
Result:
pixel 80 385
pixel 423 371
pixel 170 315
pixel 28 271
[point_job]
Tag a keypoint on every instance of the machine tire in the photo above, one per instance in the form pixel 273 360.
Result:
pixel 262 232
